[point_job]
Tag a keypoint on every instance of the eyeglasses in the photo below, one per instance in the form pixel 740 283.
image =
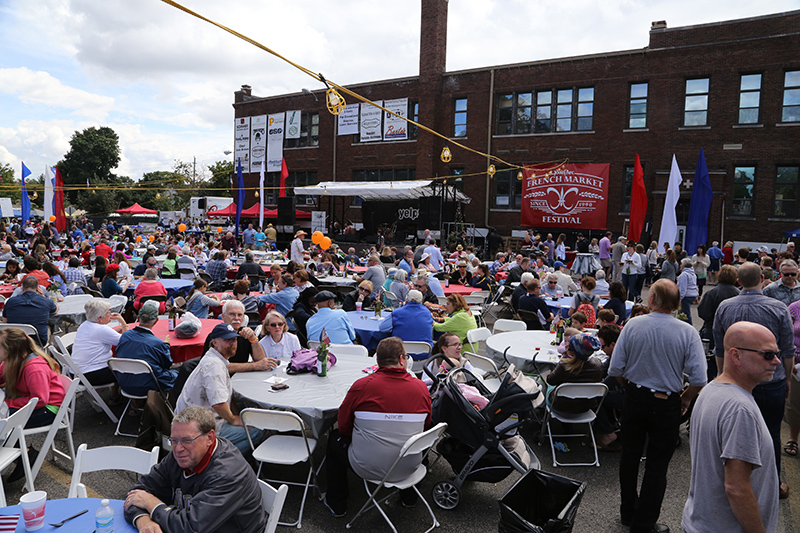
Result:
pixel 768 355
pixel 276 324
pixel 790 274
pixel 363 289
pixel 552 282
pixel 458 344
pixel 186 441
pixel 420 287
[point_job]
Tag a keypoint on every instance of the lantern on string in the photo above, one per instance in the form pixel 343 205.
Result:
pixel 219 229
pixel 336 103
pixel 52 218
pixel 446 155
pixel 151 238
pixel 325 243
pixel 316 237
pixel 158 196
pixel 256 194
pixel 491 171
pixel 520 175
pixel 35 195
pixel 181 227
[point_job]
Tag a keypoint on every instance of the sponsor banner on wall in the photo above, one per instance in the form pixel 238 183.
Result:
pixel 370 123
pixel 258 143
pixel 275 125
pixel 241 142
pixel 394 128
pixel 348 120
pixel 292 125
pixel 575 196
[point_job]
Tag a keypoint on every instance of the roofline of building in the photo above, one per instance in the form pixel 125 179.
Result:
pixel 524 64
pixel 724 22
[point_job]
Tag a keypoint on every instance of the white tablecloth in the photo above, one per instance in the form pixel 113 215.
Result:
pixel 316 399
pixel 71 309
pixel 337 280
pixel 525 345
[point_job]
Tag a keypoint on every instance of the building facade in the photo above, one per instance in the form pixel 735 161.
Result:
pixel 731 88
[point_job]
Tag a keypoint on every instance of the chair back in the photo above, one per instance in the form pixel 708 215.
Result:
pixel 272 501
pixel 186 273
pixel 154 297
pixel 29 330
pixel 477 335
pixel 377 440
pixel 472 299
pixel 531 319
pixel 109 458
pixel 313 345
pixel 14 421
pixel 269 420
pixel 253 318
pixel 133 366
pixel 348 350
pixel 504 324
pixel 423 441
pixel 581 391
pixel 65 341
pixel 484 364
pixel 118 303
pixel 394 301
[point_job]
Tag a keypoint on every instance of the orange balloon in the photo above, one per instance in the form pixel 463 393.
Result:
pixel 138 238
pixel 316 237
pixel 219 229
pixel 52 218
pixel 152 238
pixel 325 243
pixel 181 227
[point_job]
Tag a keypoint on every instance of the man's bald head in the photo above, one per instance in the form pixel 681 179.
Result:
pixel 740 334
pixel 664 296
pixel 745 362
pixel 750 275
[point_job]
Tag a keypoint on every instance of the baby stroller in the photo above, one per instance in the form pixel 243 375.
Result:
pixel 480 445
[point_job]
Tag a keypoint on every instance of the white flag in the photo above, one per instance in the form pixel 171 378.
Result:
pixel 49 194
pixel 669 221
pixel 261 200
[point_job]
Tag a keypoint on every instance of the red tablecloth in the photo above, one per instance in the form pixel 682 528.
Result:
pixel 458 289
pixel 183 349
pixel 357 269
pixel 262 311
pixel 234 270
pixel 6 289
pixel 501 275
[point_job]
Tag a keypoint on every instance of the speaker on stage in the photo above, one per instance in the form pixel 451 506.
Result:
pixel 286 211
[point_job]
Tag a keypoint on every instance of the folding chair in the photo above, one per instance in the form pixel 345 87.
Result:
pixel 29 330
pixel 489 372
pixel 419 352
pixel 282 449
pixel 531 319
pixel 59 353
pixel 118 303
pixel 136 367
pixel 477 335
pixel 418 444
pixel 109 458
pixel 348 350
pixel 10 433
pixel 272 501
pixel 186 273
pixel 573 391
pixel 504 324
pixel 498 304
pixel 66 341
pixel 394 301
pixel 62 421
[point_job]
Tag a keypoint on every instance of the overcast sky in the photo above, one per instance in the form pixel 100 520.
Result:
pixel 164 80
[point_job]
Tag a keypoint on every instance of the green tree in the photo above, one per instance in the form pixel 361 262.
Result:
pixel 9 187
pixel 218 184
pixel 146 190
pixel 93 154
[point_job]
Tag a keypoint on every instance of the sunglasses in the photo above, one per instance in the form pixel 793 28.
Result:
pixel 276 324
pixel 790 274
pixel 420 287
pixel 552 282
pixel 768 355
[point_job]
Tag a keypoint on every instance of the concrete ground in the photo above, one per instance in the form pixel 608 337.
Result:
pixel 478 510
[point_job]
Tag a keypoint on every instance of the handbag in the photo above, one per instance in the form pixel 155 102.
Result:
pixel 305 360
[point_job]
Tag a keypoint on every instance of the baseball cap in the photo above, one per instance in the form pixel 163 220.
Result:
pixel 149 311
pixel 324 296
pixel 763 249
pixel 558 264
pixel 222 331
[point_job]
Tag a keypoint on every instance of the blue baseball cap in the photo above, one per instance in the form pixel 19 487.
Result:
pixel 223 331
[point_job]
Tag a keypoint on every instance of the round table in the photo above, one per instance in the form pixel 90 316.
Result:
pixel 183 349
pixel 367 327
pixel 57 510
pixel 6 289
pixel 455 288
pixel 72 309
pixel 525 346
pixel 316 399
pixel 337 281
pixel 357 269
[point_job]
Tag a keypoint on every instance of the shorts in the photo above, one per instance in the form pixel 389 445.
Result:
pixel 714 266
pixel 606 262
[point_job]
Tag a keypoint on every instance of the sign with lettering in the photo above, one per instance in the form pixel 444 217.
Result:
pixel 275 125
pixel 241 143
pixel 348 120
pixel 407 213
pixel 258 143
pixel 292 125
pixel 394 128
pixel 573 196
pixel 371 125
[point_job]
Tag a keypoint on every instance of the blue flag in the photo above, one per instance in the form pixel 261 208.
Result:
pixel 239 195
pixel 702 194
pixel 26 202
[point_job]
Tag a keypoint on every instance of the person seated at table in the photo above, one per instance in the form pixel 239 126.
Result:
pixel 125 268
pixel 34 268
pixel 481 279
pixel 169 270
pixel 433 282
pixel 428 297
pixel 275 274
pixel 74 274
pixel 521 289
pixel 12 271
pixel 141 343
pixel 585 296
pixel 94 341
pixel 187 260
pixel 139 270
pixel 326 267
pixel 100 264
pixel 362 294
pixel 533 301
pixel 460 275
pixel 241 292
pixel 539 267
pixel 197 302
pixel 301 281
pixel 6 252
pixel 601 285
pixel 149 286
pixel 251 269
pixel 638 310
pixel 391 389
pixel 407 263
pixel 449 346
pixel 209 385
pixel 515 273
pixel 28 372
pixel 199 255
pixel 334 321
pixel 110 287
pixel 576 366
pixel 57 277
pixel 375 273
pixel 285 298
pixel 278 343
pixel 31 307
pixel 565 281
pixel 399 287
pixel 605 316
pixel 459 318
pixel 103 249
pixel 616 303
pixel 579 321
pixel 412 322
pixel 303 309
pixel 551 288
pixel 217 269
pixel 204 484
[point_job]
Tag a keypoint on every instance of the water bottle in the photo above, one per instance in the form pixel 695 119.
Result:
pixel 104 518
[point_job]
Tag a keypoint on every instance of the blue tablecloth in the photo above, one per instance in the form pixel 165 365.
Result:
pixel 562 305
pixel 175 287
pixel 368 328
pixel 57 510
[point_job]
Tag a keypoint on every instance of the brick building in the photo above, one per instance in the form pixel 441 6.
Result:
pixel 732 88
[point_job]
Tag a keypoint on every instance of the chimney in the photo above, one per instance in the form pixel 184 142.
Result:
pixel 433 40
pixel 658 25
pixel 247 90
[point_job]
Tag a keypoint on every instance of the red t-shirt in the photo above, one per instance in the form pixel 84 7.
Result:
pixel 104 250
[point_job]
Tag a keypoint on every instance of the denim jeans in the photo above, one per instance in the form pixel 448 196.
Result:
pixel 686 307
pixel 771 400
pixel 629 281
pixel 237 437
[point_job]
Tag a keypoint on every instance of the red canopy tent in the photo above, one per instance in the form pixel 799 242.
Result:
pixel 136 209
pixel 229 211
pixel 252 212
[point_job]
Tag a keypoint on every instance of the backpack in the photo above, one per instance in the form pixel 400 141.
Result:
pixel 305 360
pixel 587 309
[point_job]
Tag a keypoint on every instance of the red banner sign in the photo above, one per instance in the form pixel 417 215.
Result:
pixel 573 196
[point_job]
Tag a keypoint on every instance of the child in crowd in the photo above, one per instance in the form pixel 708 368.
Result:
pixel 579 321
pixel 605 316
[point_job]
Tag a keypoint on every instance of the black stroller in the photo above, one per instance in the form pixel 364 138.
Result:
pixel 474 442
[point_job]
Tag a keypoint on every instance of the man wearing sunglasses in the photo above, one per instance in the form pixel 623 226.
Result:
pixel 753 306
pixel 786 289
pixel 740 492
pixel 204 484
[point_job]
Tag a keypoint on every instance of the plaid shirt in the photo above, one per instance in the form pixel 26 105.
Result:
pixel 217 270
pixel 781 292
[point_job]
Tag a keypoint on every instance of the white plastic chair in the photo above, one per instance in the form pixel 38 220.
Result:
pixel 272 501
pixel 109 458
pixel 118 303
pixel 66 341
pixel 348 350
pixel 313 345
pixel 417 347
pixel 282 449
pixel 505 324
pixel 10 433
pixel 417 444
pixel 60 354
pixel 584 391
pixel 136 367
pixel 477 335
pixel 27 328
pixel 490 374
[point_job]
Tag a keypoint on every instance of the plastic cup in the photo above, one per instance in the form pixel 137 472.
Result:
pixel 32 505
pixel 358 306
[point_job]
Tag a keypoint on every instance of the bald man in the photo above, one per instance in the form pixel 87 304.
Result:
pixel 739 492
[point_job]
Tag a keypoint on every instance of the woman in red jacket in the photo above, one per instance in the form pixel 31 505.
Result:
pixel 727 253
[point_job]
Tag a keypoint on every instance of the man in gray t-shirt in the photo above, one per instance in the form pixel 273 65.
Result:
pixel 734 486
pixel 375 273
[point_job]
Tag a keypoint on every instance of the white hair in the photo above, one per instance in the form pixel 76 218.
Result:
pixel 414 296
pixel 232 303
pixel 400 275
pixel 525 278
pixel 600 274
pixel 96 308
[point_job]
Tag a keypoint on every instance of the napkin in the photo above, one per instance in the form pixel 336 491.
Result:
pixel 274 380
pixel 9 522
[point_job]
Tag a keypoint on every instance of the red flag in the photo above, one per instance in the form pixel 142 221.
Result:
pixel 284 175
pixel 58 200
pixel 638 203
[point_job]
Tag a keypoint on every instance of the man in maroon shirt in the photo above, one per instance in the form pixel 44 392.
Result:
pixel 363 441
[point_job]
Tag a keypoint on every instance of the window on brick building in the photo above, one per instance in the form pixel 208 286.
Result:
pixel 695 110
pixel 413 114
pixel 547 111
pixel 507 190
pixel 300 179
pixel 524 104
pixel 460 118
pixel 309 132
pixel 786 184
pixel 391 174
pixel 272 182
pixel 627 186
pixel 544 111
pixel 749 98
pixel 455 180
pixel 791 97
pixel 585 109
pixel 744 182
pixel 637 109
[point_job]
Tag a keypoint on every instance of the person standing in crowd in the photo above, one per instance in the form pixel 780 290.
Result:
pixel 701 261
pixel 726 288
pixel 248 237
pixel 435 254
pixel 687 284
pixel 650 359
pixel 561 249
pixel 551 249
pixel 617 251
pixel 669 268
pixel 630 262
pixel 715 255
pixel 727 253
pixel 296 250
pixel 786 289
pixel 751 305
pixel 733 485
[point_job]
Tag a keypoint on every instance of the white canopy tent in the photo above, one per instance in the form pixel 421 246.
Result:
pixel 382 190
